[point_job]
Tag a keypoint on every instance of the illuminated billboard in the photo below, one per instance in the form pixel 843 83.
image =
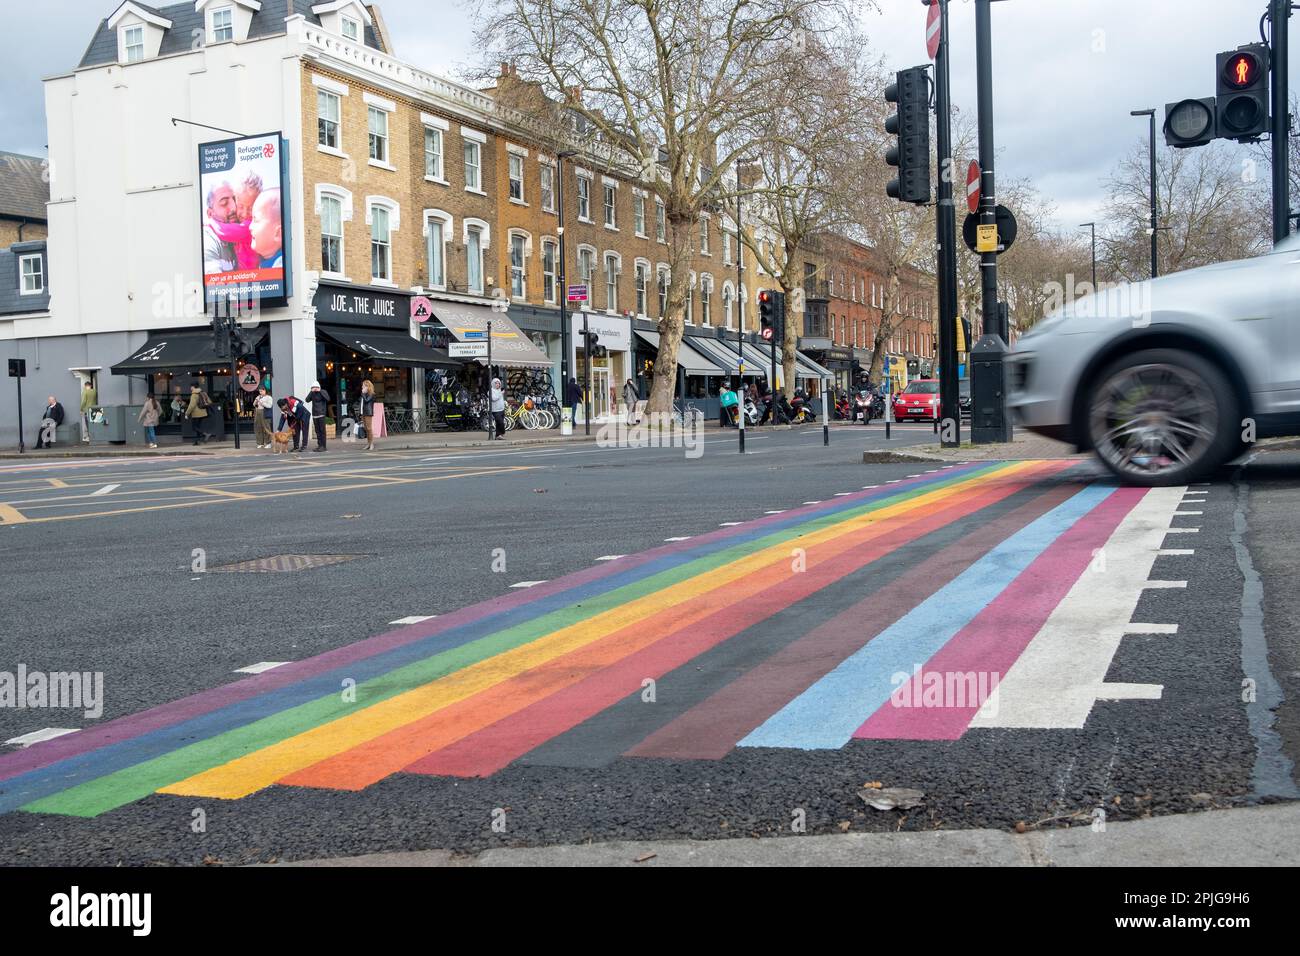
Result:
pixel 243 211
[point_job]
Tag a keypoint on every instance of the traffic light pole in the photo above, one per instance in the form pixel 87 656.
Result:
pixel 1281 17
pixel 740 323
pixel 586 351
pixel 988 374
pixel 946 227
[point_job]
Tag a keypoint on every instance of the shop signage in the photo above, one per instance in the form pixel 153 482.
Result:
pixel 615 331
pixel 421 308
pixel 345 305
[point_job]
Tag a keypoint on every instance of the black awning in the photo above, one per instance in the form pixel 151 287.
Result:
pixel 180 349
pixel 386 346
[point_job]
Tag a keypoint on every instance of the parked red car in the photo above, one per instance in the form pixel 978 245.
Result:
pixel 920 400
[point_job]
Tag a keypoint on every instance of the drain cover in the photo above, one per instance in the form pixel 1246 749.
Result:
pixel 287 562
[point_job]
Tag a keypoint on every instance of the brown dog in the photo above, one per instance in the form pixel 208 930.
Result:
pixel 281 440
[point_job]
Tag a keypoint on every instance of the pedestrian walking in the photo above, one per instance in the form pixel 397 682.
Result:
pixel 498 408
pixel 51 419
pixel 89 399
pixel 197 413
pixel 367 404
pixel 630 398
pixel 572 396
pixel 262 417
pixel 150 414
pixel 318 400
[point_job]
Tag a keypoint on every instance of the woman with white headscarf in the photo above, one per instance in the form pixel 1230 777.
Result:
pixel 498 408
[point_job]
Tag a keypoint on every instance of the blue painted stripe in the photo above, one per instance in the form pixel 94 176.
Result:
pixel 825 715
pixel 80 768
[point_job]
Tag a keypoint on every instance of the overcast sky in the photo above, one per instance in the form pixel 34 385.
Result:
pixel 1066 72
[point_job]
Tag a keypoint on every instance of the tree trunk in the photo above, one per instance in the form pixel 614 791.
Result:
pixel 791 340
pixel 671 326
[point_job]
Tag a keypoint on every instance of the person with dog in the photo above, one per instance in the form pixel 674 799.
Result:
pixel 367 405
pixel 294 415
pixel 262 417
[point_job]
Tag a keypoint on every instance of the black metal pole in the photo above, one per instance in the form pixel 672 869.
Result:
pixel 740 323
pixel 1155 232
pixel 946 227
pixel 586 351
pixel 22 448
pixel 230 383
pixel 988 388
pixel 1281 16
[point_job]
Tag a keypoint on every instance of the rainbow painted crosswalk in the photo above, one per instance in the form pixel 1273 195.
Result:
pixel 805 629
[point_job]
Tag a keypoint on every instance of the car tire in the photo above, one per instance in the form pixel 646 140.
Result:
pixel 1161 417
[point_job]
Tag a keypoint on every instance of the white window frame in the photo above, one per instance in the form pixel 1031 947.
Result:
pixel 521 270
pixel 662 280
pixel 344 196
pixel 553 276
pixel 476 141
pixel 587 253
pixel 128 46
pixel 704 236
pixel 609 202
pixel 324 96
pixel 23 276
pixel 546 170
pixel 230 24
pixel 726 247
pixel 611 280
pixel 382 162
pixel 484 231
pixel 446 222
pixel 729 303
pixel 394 215
pixel 434 159
pixel 642 284
pixel 661 221
pixel 584 196
pixel 638 213
pixel 346 21
pixel 514 156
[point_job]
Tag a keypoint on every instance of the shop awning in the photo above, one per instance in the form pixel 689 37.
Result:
pixel 510 346
pixel 386 346
pixel 177 349
pixel 688 357
pixel 724 355
pixel 804 367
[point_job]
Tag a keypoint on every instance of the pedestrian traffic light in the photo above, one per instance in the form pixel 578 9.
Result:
pixel 911 124
pixel 767 314
pixel 1190 123
pixel 1241 104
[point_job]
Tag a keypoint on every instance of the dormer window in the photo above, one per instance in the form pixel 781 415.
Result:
pixel 133 41
pixel 223 25
pixel 351 29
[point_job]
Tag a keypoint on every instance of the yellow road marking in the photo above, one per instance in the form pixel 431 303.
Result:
pixel 194 471
pixel 219 491
pixel 11 515
pixel 274 494
pixel 57 482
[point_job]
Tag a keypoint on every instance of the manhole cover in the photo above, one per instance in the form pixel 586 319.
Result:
pixel 288 562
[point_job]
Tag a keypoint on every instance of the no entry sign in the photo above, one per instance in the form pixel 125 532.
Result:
pixel 973 187
pixel 932 30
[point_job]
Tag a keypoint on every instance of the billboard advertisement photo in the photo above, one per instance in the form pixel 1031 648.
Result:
pixel 243 220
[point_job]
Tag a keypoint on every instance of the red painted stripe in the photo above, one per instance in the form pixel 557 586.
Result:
pixel 999 634
pixel 710 730
pixel 495 746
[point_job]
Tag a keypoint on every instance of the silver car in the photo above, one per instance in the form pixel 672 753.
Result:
pixel 1165 380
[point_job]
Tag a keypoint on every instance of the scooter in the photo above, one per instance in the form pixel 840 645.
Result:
pixel 752 414
pixel 863 409
pixel 802 410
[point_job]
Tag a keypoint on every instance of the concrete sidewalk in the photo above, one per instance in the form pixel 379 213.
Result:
pixel 1251 836
pixel 1023 445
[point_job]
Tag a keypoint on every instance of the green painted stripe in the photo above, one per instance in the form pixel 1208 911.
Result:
pixel 106 793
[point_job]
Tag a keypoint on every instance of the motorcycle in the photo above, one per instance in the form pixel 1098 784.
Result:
pixel 843 411
pixel 864 408
pixel 752 414
pixel 801 410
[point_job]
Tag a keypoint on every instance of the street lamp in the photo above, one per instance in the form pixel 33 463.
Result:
pixel 1093 227
pixel 1151 115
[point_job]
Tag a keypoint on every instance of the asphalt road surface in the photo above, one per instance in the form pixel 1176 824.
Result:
pixel 325 655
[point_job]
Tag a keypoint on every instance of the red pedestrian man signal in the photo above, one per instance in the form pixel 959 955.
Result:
pixel 1241 71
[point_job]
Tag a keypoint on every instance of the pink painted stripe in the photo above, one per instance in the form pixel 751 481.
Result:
pixel 996 637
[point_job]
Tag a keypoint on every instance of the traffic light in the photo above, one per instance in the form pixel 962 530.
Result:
pixel 911 124
pixel 767 314
pixel 1190 123
pixel 1242 100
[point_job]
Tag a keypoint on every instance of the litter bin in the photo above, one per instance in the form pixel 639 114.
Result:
pixel 108 423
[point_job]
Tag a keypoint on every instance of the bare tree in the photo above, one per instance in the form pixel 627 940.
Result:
pixel 670 86
pixel 1207 205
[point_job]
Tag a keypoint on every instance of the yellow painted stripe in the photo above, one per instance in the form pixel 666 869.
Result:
pixel 11 515
pixel 57 482
pixel 257 770
pixel 218 491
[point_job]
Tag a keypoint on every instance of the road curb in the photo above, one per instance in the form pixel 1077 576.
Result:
pixel 1267 835
pixel 889 457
